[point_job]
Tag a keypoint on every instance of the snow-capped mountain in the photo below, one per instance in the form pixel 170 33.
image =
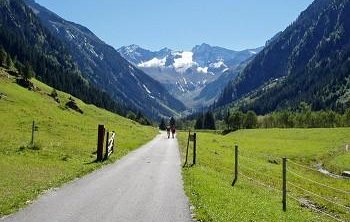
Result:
pixel 103 66
pixel 186 73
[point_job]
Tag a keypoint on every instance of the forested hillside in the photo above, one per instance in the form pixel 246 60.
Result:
pixel 29 44
pixel 309 62
pixel 103 66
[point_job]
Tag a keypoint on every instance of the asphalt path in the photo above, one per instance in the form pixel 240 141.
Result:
pixel 146 185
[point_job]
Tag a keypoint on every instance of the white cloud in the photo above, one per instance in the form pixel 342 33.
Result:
pixel 153 63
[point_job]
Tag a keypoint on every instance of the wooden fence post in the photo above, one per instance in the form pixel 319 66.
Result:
pixel 107 145
pixel 194 148
pixel 236 166
pixel 188 144
pixel 284 183
pixel 33 129
pixel 101 133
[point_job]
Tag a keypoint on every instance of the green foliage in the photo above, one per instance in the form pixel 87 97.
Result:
pixel 205 121
pixel 54 93
pixel 9 62
pixel 162 125
pixel 172 122
pixel 250 120
pixel 27 71
pixel 320 119
pixel 236 120
pixel 131 115
pixel 3 56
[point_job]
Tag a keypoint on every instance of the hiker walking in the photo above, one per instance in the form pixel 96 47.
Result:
pixel 173 130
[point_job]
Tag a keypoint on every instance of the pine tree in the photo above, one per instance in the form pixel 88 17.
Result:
pixel 9 63
pixel 162 125
pixel 172 122
pixel 28 71
pixel 209 121
pixel 3 56
pixel 199 123
pixel 227 118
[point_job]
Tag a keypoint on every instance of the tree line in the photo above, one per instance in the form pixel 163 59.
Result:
pixel 302 117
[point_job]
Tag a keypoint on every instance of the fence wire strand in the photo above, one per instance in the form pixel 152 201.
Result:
pixel 303 166
pixel 321 184
pixel 267 175
pixel 319 196
pixel 254 161
pixel 317 210
pixel 260 183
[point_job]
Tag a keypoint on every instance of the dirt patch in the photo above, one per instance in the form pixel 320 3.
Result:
pixel 26 83
pixel 73 105
pixel 2 95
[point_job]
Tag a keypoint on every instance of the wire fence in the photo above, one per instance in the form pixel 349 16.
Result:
pixel 259 172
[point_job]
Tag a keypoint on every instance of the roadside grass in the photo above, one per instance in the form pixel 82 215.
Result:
pixel 208 183
pixel 65 142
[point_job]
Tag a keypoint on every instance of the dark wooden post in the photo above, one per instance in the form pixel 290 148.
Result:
pixel 188 144
pixel 33 129
pixel 107 138
pixel 236 166
pixel 101 134
pixel 284 184
pixel 194 148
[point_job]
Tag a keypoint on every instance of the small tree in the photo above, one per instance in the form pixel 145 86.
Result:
pixel 162 125
pixel 9 62
pixel 131 115
pixel 251 120
pixel 54 93
pixel 236 120
pixel 227 118
pixel 3 56
pixel 209 121
pixel 172 122
pixel 28 71
pixel 199 123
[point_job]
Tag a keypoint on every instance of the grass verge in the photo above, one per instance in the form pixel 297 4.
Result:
pixel 65 142
pixel 208 183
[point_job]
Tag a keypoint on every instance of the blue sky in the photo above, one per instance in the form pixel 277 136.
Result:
pixel 181 24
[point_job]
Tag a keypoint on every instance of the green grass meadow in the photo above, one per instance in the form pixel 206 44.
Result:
pixel 65 143
pixel 257 195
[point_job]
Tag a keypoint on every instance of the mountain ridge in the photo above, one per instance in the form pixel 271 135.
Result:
pixel 186 73
pixel 305 63
pixel 103 66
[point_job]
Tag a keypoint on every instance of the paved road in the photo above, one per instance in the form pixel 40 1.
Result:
pixel 146 185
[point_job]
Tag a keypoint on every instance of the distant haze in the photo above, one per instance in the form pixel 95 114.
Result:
pixel 181 24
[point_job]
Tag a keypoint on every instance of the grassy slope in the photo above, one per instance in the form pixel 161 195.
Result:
pixel 208 184
pixel 67 141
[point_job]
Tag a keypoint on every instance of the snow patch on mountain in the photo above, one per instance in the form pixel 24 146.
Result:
pixel 155 62
pixel 147 90
pixel 184 61
pixel 202 69
pixel 218 64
